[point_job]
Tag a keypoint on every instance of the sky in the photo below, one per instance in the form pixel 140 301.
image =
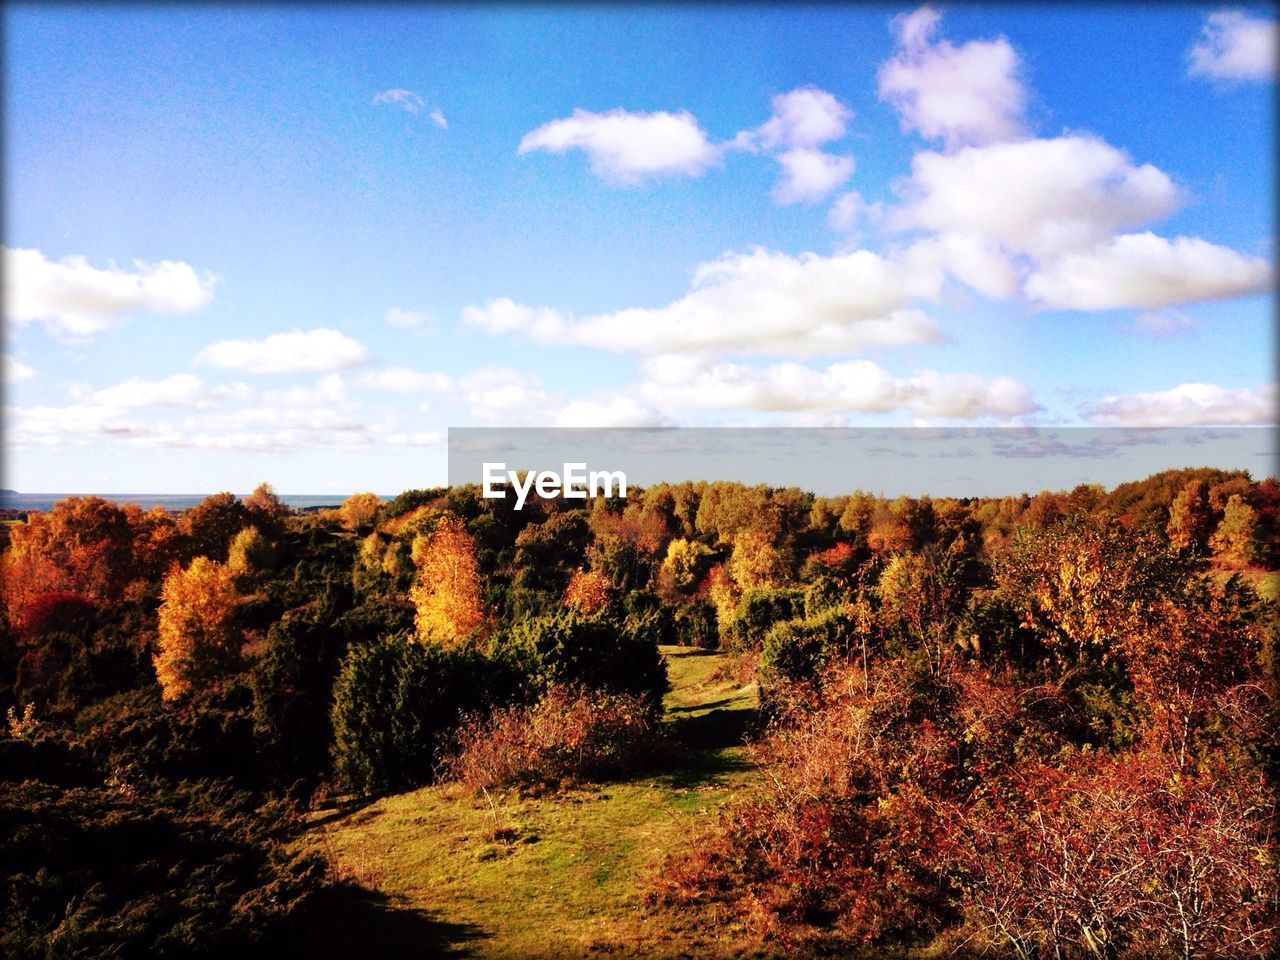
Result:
pixel 298 244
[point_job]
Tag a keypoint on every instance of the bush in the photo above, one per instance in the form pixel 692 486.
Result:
pixel 588 651
pixel 798 649
pixel 569 734
pixel 396 702
pixel 137 870
pixel 760 609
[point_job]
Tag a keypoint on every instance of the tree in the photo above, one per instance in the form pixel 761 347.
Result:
pixel 1190 517
pixel 213 522
pixel 359 511
pixel 1236 540
pixel 198 640
pixel 249 555
pixel 683 566
pixel 447 594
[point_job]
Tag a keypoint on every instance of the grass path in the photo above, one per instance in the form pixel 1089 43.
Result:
pixel 452 874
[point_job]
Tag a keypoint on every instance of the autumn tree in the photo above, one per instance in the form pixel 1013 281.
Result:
pixel 1190 518
pixel 1235 542
pixel 249 556
pixel 447 594
pixel 683 566
pixel 198 639
pixel 213 522
pixel 359 511
pixel 83 545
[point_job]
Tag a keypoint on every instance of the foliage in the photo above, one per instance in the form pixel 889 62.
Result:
pixel 447 593
pixel 575 650
pixel 568 735
pixel 395 703
pixel 198 640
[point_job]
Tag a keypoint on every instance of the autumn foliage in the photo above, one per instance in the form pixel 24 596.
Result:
pixel 447 592
pixel 197 640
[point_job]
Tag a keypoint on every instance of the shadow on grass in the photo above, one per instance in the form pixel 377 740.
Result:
pixel 343 922
pixel 715 729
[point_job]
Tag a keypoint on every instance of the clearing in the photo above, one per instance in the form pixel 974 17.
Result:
pixel 447 873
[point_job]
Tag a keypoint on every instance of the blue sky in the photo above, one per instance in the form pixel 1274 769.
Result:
pixel 298 244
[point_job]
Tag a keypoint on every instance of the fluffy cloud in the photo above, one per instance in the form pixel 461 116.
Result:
pixel 405 380
pixel 679 382
pixel 1144 270
pixel 74 298
pixel 406 100
pixel 1038 196
pixel 850 211
pixel 505 397
pixel 181 389
pixel 962 95
pixel 14 371
pixel 1234 46
pixel 1187 405
pixel 613 411
pixel 758 302
pixel 298 351
pixel 804 119
pixel 437 117
pixel 627 148
pixel 809 175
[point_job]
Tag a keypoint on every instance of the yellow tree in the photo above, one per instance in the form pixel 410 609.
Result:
pixel 447 594
pixel 198 640
pixel 359 511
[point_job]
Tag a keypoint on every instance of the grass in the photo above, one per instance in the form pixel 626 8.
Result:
pixel 565 874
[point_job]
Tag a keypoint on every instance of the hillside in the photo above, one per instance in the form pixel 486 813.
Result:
pixel 450 873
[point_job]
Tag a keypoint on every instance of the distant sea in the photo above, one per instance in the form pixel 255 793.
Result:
pixel 170 501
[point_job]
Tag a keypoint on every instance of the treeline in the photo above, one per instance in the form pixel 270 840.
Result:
pixel 969 662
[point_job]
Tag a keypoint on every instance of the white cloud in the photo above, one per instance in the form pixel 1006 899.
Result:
pixel 1187 405
pixel 850 211
pixel 324 393
pixel 181 389
pixel 1038 196
pixel 405 380
pixel 406 100
pixel 616 410
pixel 74 298
pixel 311 351
pixel 969 94
pixel 408 318
pixel 803 119
pixel 1163 324
pixel 809 175
pixel 437 117
pixel 974 260
pixel 1144 270
pixel 15 371
pixel 627 148
pixel 758 302
pixel 689 383
pixel 507 397
pixel 1234 46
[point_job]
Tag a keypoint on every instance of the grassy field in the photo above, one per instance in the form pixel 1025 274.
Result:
pixel 447 873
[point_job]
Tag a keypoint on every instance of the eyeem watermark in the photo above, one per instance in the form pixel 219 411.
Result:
pixel 576 483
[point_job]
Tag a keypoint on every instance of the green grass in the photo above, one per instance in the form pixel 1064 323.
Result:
pixel 564 874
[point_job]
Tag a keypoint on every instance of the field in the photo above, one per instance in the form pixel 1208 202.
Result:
pixel 561 874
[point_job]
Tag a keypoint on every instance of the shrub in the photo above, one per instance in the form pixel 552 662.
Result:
pixel 395 703
pixel 798 649
pixel 569 734
pixel 138 870
pixel 590 652
pixel 759 609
